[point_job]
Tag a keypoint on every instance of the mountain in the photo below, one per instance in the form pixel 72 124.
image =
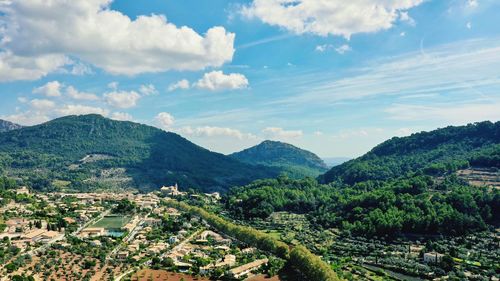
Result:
pixel 335 161
pixel 92 151
pixel 286 157
pixel 6 126
pixel 434 153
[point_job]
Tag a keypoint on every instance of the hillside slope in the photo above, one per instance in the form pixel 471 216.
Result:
pixel 82 149
pixel 6 126
pixel 286 157
pixel 434 153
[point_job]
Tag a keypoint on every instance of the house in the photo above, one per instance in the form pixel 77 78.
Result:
pixel 229 260
pixel 69 220
pixel 433 257
pixel 92 232
pixel 122 255
pixel 23 190
pixel 16 224
pixel 172 239
pixel 171 190
pixel 245 269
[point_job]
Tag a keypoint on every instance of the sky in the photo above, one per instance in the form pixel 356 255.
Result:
pixel 331 76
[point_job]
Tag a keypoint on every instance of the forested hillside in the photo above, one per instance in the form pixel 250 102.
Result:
pixel 292 160
pixel 434 153
pixel 418 204
pixel 6 126
pixel 78 149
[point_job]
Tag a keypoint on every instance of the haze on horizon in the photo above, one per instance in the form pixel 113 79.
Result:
pixel 229 74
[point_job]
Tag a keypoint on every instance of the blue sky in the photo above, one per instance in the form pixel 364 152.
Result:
pixel 333 77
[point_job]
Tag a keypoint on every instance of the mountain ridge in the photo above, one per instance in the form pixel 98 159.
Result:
pixel 150 157
pixel 434 152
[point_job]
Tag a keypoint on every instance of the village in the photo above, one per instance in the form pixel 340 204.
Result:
pixel 115 236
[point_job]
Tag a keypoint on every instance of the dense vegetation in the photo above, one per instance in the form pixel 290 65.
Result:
pixel 418 204
pixel 309 265
pixel 435 153
pixel 6 126
pixel 151 157
pixel 296 162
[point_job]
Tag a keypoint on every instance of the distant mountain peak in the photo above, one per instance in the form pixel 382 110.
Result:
pixel 289 158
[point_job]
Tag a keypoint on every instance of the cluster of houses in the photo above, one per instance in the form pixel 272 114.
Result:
pixel 22 233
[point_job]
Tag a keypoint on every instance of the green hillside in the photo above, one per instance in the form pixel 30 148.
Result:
pixel 79 149
pixel 433 153
pixel 294 161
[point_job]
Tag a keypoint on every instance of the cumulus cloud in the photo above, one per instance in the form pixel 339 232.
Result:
pixel 38 36
pixel 21 67
pixel 122 99
pixel 217 80
pixel 280 133
pixel 182 85
pixel 208 131
pixel 323 48
pixel 51 89
pixel 148 90
pixel 329 17
pixel 121 116
pixel 42 104
pixel 343 49
pixel 78 109
pixel 164 120
pixel 77 95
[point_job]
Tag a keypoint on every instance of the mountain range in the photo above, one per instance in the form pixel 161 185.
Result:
pixel 90 151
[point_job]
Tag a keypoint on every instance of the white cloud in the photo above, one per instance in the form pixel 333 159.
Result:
pixel 75 94
pixel 343 49
pixel 148 90
pixel 121 116
pixel 81 69
pixel 450 113
pixel 51 89
pixel 164 120
pixel 38 36
pixel 22 99
pixel 78 109
pixel 280 133
pixel 208 131
pixel 403 16
pixel 318 133
pixel 27 118
pixel 460 69
pixel 122 99
pixel 469 25
pixel 402 34
pixel 473 3
pixel 217 80
pixel 42 104
pixel 16 67
pixel 323 48
pixel 182 85
pixel 330 17
pixel 113 85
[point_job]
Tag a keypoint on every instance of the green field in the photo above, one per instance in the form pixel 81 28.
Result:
pixel 112 222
